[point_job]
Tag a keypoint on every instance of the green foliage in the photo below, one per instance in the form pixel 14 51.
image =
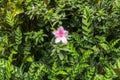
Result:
pixel 28 51
pixel 10 19
pixel 18 36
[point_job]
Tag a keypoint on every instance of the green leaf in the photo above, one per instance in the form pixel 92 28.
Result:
pixel 17 11
pixel 10 19
pixel 104 46
pixel 61 56
pixel 28 1
pixel 62 73
pixel 117 71
pixel 18 36
pixel 1 48
pixel 13 51
pixel 30 59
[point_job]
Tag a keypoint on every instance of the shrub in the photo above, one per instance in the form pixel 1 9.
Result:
pixel 28 49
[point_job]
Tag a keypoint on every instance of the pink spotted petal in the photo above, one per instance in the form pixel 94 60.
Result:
pixel 57 40
pixel 65 33
pixel 60 35
pixel 64 40
pixel 61 28
pixel 55 33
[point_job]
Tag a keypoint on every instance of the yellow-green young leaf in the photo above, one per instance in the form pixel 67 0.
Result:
pixel 30 59
pixel 62 73
pixel 9 4
pixel 28 1
pixel 88 52
pixel 96 49
pixel 17 11
pixel 85 22
pixel 52 28
pixel 99 2
pixel 104 46
pixel 21 1
pixel 1 48
pixel 13 52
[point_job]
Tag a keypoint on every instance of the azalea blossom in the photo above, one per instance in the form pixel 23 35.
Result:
pixel 60 35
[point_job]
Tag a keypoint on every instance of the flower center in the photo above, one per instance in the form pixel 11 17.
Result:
pixel 61 33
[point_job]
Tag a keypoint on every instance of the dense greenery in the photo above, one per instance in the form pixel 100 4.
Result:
pixel 28 50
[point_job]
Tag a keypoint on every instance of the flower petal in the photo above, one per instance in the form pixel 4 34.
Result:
pixel 57 40
pixel 61 28
pixel 55 33
pixel 60 35
pixel 65 33
pixel 64 40
pixel 62 32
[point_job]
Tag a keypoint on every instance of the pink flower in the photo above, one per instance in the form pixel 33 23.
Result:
pixel 60 35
